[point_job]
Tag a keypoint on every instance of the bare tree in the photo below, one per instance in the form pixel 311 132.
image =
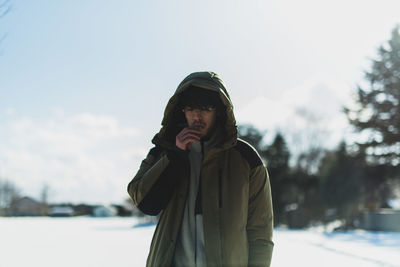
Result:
pixel 5 8
pixel 44 200
pixel 8 193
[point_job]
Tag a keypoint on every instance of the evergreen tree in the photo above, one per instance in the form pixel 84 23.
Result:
pixel 251 135
pixel 277 157
pixel 342 184
pixel 378 111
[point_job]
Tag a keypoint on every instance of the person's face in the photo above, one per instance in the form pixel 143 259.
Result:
pixel 202 120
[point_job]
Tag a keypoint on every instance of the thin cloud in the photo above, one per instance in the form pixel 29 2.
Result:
pixel 304 113
pixel 84 157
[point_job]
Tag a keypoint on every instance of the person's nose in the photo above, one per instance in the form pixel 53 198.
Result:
pixel 197 114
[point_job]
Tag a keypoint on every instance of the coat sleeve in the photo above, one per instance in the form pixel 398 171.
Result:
pixel 154 183
pixel 260 218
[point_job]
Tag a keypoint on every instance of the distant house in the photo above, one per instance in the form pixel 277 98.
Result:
pixel 122 210
pixel 104 211
pixel 383 220
pixel 25 206
pixel 61 211
pixel 83 209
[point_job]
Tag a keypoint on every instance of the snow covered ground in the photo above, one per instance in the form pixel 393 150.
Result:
pixel 108 242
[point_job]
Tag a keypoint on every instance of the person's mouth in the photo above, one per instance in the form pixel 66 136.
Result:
pixel 198 126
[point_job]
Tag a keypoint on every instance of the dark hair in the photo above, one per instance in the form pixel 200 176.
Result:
pixel 196 97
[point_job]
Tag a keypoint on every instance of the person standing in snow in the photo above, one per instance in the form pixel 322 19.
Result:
pixel 211 187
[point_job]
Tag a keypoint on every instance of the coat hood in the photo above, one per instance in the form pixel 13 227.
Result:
pixel 174 119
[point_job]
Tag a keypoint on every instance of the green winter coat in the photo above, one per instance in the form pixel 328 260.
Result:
pixel 234 185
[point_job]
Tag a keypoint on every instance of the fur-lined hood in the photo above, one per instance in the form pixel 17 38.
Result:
pixel 174 118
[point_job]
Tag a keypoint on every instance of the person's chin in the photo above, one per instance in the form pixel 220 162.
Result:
pixel 205 136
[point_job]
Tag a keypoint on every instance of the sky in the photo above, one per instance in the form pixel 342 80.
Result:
pixel 83 84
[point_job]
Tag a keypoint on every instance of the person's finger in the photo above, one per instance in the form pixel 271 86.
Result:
pixel 190 130
pixel 189 139
pixel 190 134
pixel 186 137
pixel 183 138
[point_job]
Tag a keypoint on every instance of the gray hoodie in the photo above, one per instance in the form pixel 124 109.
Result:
pixel 190 250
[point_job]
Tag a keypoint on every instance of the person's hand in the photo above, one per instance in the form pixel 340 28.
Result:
pixel 186 137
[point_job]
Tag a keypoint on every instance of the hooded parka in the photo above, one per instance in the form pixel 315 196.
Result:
pixel 234 190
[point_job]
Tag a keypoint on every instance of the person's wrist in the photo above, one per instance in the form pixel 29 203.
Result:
pixel 180 146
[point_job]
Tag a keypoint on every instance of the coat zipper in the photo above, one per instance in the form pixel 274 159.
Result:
pixel 195 216
pixel 220 188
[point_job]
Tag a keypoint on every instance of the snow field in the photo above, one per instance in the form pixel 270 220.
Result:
pixel 355 248
pixel 78 242
pixel 107 242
